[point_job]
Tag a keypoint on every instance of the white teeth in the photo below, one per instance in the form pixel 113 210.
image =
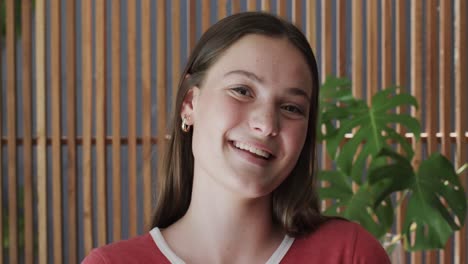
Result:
pixel 251 149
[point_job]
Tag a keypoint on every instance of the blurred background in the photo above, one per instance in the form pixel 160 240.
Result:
pixel 87 88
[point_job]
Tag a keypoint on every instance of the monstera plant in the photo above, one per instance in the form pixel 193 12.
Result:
pixel 374 164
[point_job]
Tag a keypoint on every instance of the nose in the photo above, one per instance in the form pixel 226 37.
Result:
pixel 264 121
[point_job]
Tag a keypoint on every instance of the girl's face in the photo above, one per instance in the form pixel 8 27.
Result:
pixel 250 116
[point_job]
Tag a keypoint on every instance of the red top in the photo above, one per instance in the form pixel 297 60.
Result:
pixel 336 241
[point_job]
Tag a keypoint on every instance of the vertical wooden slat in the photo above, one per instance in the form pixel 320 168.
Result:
pixel 461 83
pixel 311 23
pixel 251 5
pixel 235 6
pixel 445 76
pixel 101 123
pixel 87 84
pixel 297 13
pixel 372 63
pixel 11 136
pixel 341 38
pixel 222 9
pixel 27 128
pixel 387 44
pixel 326 68
pixel 326 39
pixel 266 5
pixel 132 145
pixel 431 88
pixel 191 27
pixel 71 133
pixel 206 13
pixel 161 84
pixel 175 49
pixel 41 131
pixel 400 75
pixel 357 48
pixel 431 73
pixel 56 133
pixel 416 59
pixel 281 8
pixel 416 78
pixel 116 134
pixel 146 89
pixel 1 155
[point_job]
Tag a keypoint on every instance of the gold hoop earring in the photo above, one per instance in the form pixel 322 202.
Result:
pixel 185 126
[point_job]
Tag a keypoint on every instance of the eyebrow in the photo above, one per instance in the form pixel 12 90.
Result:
pixel 294 90
pixel 247 74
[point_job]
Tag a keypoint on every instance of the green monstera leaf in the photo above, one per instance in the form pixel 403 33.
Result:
pixel 359 206
pixel 437 205
pixel 436 201
pixel 335 99
pixel 373 125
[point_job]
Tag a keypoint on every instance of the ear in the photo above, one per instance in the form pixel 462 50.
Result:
pixel 189 104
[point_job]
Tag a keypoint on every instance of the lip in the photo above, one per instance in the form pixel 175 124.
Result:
pixel 255 145
pixel 252 158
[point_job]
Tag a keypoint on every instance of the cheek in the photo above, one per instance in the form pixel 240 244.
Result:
pixel 295 136
pixel 214 116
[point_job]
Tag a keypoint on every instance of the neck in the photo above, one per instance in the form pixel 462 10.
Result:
pixel 227 225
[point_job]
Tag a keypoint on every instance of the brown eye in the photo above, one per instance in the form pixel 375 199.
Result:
pixel 242 91
pixel 293 109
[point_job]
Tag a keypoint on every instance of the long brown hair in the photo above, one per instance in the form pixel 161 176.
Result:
pixel 294 203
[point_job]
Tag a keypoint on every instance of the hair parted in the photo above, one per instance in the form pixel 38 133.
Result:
pixel 295 206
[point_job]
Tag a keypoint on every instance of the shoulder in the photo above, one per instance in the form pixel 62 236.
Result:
pixel 338 241
pixel 141 249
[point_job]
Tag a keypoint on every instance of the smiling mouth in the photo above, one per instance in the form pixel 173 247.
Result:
pixel 252 150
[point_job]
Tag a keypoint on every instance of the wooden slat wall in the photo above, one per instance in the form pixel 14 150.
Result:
pixel 2 234
pixel 297 13
pixel 401 76
pixel 235 6
pixel 161 73
pixel 428 39
pixel 131 94
pixel 11 130
pixel 26 17
pixel 371 27
pixel 311 24
pixel 416 80
pixel 41 131
pixel 87 117
pixel 206 9
pixel 116 134
pixel 72 188
pixel 431 89
pixel 146 93
pixel 461 126
pixel 341 38
pixel 386 45
pixel 266 5
pixel 222 9
pixel 191 28
pixel 101 69
pixel 326 68
pixel 1 154
pixel 281 8
pixel 357 52
pixel 251 5
pixel 56 133
pixel 446 81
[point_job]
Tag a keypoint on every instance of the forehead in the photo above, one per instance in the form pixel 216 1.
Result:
pixel 274 59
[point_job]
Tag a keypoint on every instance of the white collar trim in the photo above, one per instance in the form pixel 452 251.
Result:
pixel 158 238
